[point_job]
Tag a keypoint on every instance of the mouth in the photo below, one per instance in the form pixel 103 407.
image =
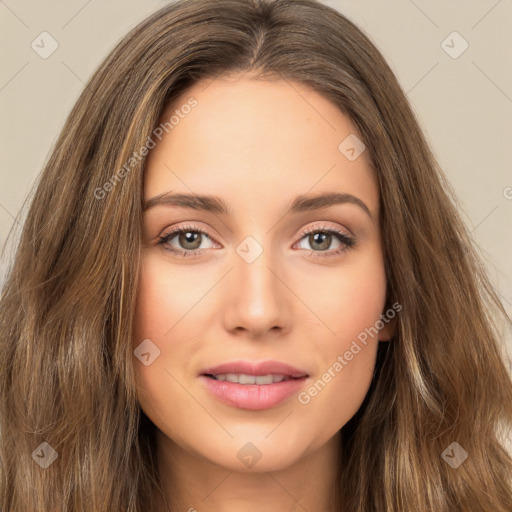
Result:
pixel 244 379
pixel 253 386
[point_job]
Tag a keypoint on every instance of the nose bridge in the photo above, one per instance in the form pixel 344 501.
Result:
pixel 256 300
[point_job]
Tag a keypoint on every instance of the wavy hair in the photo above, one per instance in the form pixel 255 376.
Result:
pixel 67 305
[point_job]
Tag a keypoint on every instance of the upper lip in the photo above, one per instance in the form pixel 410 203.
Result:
pixel 255 368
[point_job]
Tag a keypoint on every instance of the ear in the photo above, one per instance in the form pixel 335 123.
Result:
pixel 389 330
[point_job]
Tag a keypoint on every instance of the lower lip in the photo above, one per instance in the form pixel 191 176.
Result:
pixel 254 397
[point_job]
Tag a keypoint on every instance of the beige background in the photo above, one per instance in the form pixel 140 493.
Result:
pixel 464 104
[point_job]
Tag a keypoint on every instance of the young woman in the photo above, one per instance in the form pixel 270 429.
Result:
pixel 243 284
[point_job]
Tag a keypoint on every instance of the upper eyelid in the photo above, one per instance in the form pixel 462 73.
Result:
pixel 191 227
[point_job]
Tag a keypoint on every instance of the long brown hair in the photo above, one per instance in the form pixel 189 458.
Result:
pixel 67 304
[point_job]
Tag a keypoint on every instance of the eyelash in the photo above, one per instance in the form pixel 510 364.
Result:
pixel 342 237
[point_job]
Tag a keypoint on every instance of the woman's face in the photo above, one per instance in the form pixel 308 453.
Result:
pixel 271 278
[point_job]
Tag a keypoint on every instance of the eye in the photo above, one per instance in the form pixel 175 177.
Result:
pixel 320 239
pixel 188 238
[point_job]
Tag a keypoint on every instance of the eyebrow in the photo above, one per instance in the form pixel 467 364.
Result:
pixel 214 204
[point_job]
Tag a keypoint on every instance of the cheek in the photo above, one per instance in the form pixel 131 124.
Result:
pixel 166 294
pixel 349 304
pixel 348 299
pixel 165 297
pixel 337 394
pixel 161 302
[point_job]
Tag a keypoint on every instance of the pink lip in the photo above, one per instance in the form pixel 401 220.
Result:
pixel 253 368
pixel 254 397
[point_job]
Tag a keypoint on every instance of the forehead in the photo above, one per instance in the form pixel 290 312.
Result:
pixel 256 142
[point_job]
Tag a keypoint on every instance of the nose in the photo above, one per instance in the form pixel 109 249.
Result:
pixel 257 298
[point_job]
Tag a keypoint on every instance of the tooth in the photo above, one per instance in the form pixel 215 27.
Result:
pixel 264 379
pixel 246 379
pixel 241 378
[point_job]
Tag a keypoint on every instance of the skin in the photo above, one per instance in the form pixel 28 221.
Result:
pixel 257 145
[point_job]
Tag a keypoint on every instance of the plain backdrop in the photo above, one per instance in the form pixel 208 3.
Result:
pixel 452 59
